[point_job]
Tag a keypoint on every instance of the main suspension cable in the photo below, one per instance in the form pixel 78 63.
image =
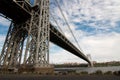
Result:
pixel 67 24
pixel 57 23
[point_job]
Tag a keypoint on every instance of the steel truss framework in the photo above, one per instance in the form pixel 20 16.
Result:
pixel 33 33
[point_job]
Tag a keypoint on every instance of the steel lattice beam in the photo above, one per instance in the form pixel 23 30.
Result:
pixel 35 30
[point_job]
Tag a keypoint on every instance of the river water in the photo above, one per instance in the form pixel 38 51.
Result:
pixel 90 69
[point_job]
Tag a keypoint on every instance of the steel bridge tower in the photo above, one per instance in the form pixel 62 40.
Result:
pixel 34 34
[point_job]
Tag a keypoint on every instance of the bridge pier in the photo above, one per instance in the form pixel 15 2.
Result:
pixel 35 31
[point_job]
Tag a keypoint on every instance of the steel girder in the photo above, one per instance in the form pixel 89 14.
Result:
pixel 35 31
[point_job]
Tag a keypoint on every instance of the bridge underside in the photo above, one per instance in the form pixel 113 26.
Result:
pixel 14 11
pixel 20 14
pixel 57 38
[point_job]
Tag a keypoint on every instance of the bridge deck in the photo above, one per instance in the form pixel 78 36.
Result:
pixel 57 38
pixel 14 11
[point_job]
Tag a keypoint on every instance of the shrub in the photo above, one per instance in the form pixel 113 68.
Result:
pixel 84 72
pixel 98 72
pixel 108 73
pixel 116 73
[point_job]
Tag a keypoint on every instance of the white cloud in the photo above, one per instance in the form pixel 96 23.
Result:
pixel 102 47
pixel 98 14
pixel 62 56
pixel 2 39
pixel 4 22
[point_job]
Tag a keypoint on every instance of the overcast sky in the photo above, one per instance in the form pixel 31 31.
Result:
pixel 95 23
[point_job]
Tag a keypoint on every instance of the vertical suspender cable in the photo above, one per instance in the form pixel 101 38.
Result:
pixel 68 24
pixel 57 24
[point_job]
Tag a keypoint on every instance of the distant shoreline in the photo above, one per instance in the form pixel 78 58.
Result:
pixel 103 64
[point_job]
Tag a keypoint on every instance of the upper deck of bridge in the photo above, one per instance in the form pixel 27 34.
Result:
pixel 18 11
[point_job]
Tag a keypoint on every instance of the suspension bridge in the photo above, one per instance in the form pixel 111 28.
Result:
pixel 31 23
